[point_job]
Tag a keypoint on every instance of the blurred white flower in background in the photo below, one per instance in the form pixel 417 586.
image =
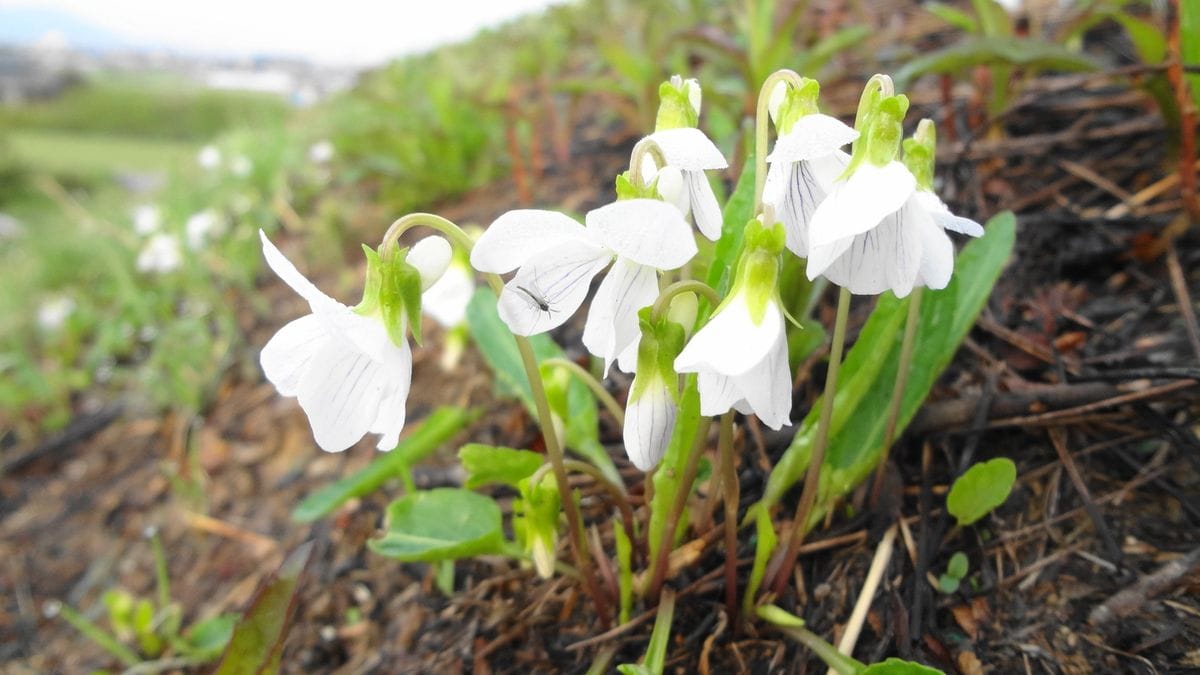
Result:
pixel 160 254
pixel 52 314
pixel 146 220
pixel 241 166
pixel 320 152
pixel 199 227
pixel 209 157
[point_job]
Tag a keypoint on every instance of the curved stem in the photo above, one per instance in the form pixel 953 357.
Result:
pixel 592 383
pixel 843 664
pixel 446 227
pixel 731 490
pixel 617 492
pixel 685 286
pixel 644 146
pixel 684 490
pixel 761 129
pixel 808 497
pixel 902 370
pixel 554 450
pixel 885 87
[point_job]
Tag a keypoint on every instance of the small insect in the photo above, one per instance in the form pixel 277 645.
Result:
pixel 537 299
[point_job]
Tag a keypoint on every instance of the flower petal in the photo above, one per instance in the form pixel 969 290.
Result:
pixel 886 257
pixel 389 420
pixel 518 236
pixel 647 231
pixel 627 361
pixel 937 254
pixel 860 202
pixel 706 212
pixel 649 422
pixel 341 392
pixel 944 218
pixel 545 293
pixel 717 393
pixel 731 343
pixel 288 354
pixel 812 136
pixel 446 301
pixel 292 276
pixel 689 149
pixel 767 388
pixel 612 322
pixel 430 256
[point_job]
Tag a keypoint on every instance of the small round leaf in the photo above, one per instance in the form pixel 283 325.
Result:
pixel 982 488
pixel 442 524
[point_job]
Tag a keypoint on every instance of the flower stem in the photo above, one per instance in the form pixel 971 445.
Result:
pixel 761 129
pixel 554 453
pixel 644 147
pixel 592 383
pixel 616 491
pixel 902 370
pixel 554 450
pixel 683 491
pixel 808 497
pixel 836 660
pixel 731 490
pixel 685 286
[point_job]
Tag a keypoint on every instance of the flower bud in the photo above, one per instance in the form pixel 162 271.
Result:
pixel 679 104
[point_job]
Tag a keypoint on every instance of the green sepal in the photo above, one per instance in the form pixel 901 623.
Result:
pixel 393 293
pixel 797 102
pixel 627 190
pixel 661 342
pixel 881 129
pixel 535 520
pixel 919 153
pixel 675 110
pixel 757 275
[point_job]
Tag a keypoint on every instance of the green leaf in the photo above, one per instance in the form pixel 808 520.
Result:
pixel 499 349
pixel 982 488
pixel 491 464
pixel 894 666
pixel 441 425
pixel 257 642
pixel 441 524
pixel 958 565
pixel 206 639
pixel 953 16
pixel 825 49
pixel 1189 44
pixel 1013 51
pixel 734 218
pixel 868 374
pixel 764 546
pixel 656 651
pixel 948 584
pixel 780 617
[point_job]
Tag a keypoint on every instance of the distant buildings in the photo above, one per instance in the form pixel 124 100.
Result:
pixel 45 69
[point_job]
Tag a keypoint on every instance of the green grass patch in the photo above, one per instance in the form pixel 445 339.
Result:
pixel 89 154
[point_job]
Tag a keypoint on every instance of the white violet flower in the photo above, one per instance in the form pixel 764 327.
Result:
pixel 199 227
pixel 556 258
pixel 740 355
pixel 350 374
pixel 690 151
pixel 52 314
pixel 805 161
pixel 209 158
pixel 160 254
pixel 146 219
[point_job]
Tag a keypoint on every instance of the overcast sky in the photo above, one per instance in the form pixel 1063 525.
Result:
pixel 340 32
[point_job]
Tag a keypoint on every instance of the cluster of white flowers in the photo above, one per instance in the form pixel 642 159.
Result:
pixel 867 220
